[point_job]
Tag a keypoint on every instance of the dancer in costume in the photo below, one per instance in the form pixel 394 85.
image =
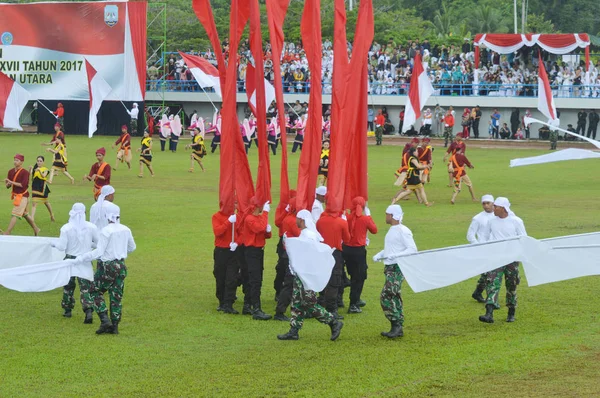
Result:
pixel 399 241
pixel 425 157
pixel 99 173
pixel 60 162
pixel 413 180
pixel 165 131
pixel 323 164
pixel 215 128
pixel 39 187
pixel 18 182
pixel 458 162
pixel 456 146
pixel 124 152
pixel 176 130
pixel 273 135
pixel 198 149
pixel 146 154
pixel 299 128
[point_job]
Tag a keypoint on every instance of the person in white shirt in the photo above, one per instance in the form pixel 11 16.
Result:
pixel 479 232
pixel 317 207
pixel 505 225
pixel 134 112
pixel 114 244
pixel 304 301
pixel 97 217
pixel 398 242
pixel 76 238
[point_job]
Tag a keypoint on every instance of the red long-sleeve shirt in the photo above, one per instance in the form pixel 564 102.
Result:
pixel 459 161
pixel 334 230
pixel 255 230
pixel 360 226
pixel 124 141
pixel 289 226
pixel 222 230
pixel 425 154
pixel 457 147
pixel 280 215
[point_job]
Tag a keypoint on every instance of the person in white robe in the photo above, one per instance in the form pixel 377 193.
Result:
pixel 317 207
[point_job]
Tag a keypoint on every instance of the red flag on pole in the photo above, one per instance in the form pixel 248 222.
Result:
pixel 308 168
pixel 13 99
pixel 251 89
pixel 276 11
pixel 420 90
pixel 545 99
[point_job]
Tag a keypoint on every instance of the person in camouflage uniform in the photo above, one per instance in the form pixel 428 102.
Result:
pixel 494 283
pixel 379 123
pixel 115 243
pixel 77 237
pixel 448 127
pixel 398 242
pixel 553 139
pixel 304 301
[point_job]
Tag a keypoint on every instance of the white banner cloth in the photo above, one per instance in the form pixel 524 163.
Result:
pixel 559 156
pixel 31 264
pixel 311 261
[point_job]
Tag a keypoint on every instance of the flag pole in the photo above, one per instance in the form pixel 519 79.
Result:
pixel 207 96
pixel 127 109
pixel 52 113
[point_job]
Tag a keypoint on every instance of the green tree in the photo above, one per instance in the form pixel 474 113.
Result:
pixel 539 24
pixel 487 19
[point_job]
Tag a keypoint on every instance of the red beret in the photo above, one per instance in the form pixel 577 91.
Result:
pixel 415 141
pixel 124 127
pixel 20 157
pixel 459 135
pixel 101 151
pixel 426 139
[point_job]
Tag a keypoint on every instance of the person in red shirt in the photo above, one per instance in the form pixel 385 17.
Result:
pixel 334 231
pixel 18 181
pixel 99 173
pixel 354 251
pixel 379 123
pixel 289 229
pixel 226 267
pixel 425 158
pixel 458 162
pixel 457 146
pixel 256 230
pixel 124 152
pixel 60 114
pixel 448 126
pixel 282 211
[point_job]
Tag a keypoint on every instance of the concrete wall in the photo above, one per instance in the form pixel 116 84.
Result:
pixel 568 107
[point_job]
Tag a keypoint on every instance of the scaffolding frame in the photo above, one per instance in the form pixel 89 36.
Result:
pixel 156 38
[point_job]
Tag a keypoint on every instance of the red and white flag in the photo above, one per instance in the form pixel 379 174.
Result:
pixel 545 99
pixel 420 90
pixel 13 99
pixel 251 89
pixel 99 90
pixel 203 71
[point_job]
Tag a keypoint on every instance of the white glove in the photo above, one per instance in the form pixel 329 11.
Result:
pixel 268 228
pixel 378 256
pixel 232 218
pixel 344 217
pixel 287 208
pixel 368 241
pixel 267 207
pixel 367 212
pixel 233 246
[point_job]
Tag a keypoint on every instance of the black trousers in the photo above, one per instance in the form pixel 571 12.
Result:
pixel 356 264
pixel 580 128
pixel 282 266
pixel 255 261
pixel 173 143
pixel 273 148
pixel 162 145
pixel 591 133
pixel 330 294
pixel 296 146
pixel 243 275
pixel 285 294
pixel 226 271
pixel 475 126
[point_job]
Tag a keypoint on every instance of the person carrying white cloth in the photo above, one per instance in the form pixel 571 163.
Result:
pixel 479 232
pixel 97 216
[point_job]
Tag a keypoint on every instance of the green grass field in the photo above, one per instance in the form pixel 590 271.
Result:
pixel 174 343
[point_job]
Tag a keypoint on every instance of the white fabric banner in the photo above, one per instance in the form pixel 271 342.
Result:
pixel 312 262
pixel 31 264
pixel 559 156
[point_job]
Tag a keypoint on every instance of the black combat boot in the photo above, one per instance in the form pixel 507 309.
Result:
pixel 115 327
pixel 280 316
pixel 396 331
pixel 291 335
pixel 477 295
pixel 511 315
pixel 247 309
pixel 259 315
pixel 354 309
pixel 228 309
pixel 361 303
pixel 489 314
pixel 336 327
pixel 89 316
pixel 67 313
pixel 105 324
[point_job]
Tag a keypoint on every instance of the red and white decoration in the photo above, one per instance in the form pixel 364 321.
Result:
pixel 420 90
pixel 545 99
pixel 251 90
pixel 13 99
pixel 99 90
pixel 552 43
pixel 203 71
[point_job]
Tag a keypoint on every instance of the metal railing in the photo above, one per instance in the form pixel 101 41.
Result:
pixel 375 88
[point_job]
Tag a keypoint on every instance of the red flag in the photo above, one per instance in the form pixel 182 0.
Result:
pixel 276 11
pixel 13 99
pixel 263 178
pixel 99 90
pixel 545 99
pixel 308 168
pixel 204 13
pixel 420 90
pixel 350 111
pixel 251 89
pixel 203 71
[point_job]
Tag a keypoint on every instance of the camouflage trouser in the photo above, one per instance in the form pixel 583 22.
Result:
pixel 304 302
pixel 378 135
pixel 391 295
pixel 68 300
pixel 133 126
pixel 494 282
pixel 110 276
pixel 447 135
pixel 553 139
